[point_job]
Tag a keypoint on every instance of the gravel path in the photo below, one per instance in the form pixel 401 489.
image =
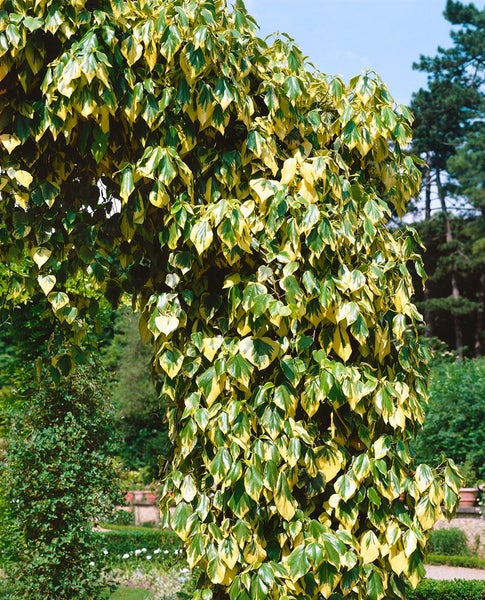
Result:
pixel 446 572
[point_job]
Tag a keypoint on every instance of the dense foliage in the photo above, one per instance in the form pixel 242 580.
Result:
pixel 455 417
pixel 161 149
pixel 58 482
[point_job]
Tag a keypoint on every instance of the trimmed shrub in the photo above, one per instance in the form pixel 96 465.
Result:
pixel 450 541
pixel 458 589
pixel 120 541
pixel 471 562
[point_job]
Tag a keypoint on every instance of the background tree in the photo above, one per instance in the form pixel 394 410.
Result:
pixel 446 133
pixel 138 417
pixel 162 149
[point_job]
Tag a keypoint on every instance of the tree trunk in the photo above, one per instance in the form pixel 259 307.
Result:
pixel 427 216
pixel 427 192
pixel 455 290
pixel 480 324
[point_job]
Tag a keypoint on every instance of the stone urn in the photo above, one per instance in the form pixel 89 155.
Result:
pixel 468 497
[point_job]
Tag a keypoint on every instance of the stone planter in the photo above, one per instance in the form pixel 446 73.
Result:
pixel 468 497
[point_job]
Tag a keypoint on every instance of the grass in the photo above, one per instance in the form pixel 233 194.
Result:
pixel 121 593
pixel 128 593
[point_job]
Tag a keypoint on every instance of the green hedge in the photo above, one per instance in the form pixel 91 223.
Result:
pixel 458 589
pixel 456 561
pixel 120 541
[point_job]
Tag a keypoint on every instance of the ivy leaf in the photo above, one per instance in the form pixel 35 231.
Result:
pixel 201 236
pixel 40 255
pixel 284 501
pixel 46 282
pixel 260 352
pixel 369 547
pixel 298 563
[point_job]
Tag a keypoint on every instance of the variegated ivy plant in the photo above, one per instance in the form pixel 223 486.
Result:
pixel 159 149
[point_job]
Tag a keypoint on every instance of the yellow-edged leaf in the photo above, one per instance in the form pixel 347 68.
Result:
pixel 369 547
pixel 341 343
pixel 166 324
pixel 9 142
pixel 398 560
pixel 284 501
pixel 46 282
pixel 210 346
pixel 201 235
pixel 330 461
pixel 288 171
pixel 40 255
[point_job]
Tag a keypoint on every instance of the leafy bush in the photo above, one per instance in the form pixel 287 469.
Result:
pixel 450 541
pixel 59 482
pixel 122 517
pixel 458 589
pixel 455 415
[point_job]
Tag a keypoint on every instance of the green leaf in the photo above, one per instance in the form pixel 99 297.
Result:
pixel 298 563
pixel 284 501
pixel 260 352
pixel 272 421
pixel 167 171
pixel 259 589
pixel 336 88
pixel 170 42
pixel 375 587
pixel 220 465
pixel 127 184
pixel 292 87
pixel 32 23
pixel 346 487
pixel 58 300
pixel 294 369
pixel 253 482
pixel 201 236
pixel 240 369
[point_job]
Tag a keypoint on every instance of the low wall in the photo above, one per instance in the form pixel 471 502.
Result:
pixel 143 504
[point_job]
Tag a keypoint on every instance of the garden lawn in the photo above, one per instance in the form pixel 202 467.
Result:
pixel 126 593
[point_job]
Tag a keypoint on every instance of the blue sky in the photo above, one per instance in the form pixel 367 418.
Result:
pixel 345 37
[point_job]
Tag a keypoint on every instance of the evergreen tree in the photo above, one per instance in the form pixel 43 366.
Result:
pixel 446 137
